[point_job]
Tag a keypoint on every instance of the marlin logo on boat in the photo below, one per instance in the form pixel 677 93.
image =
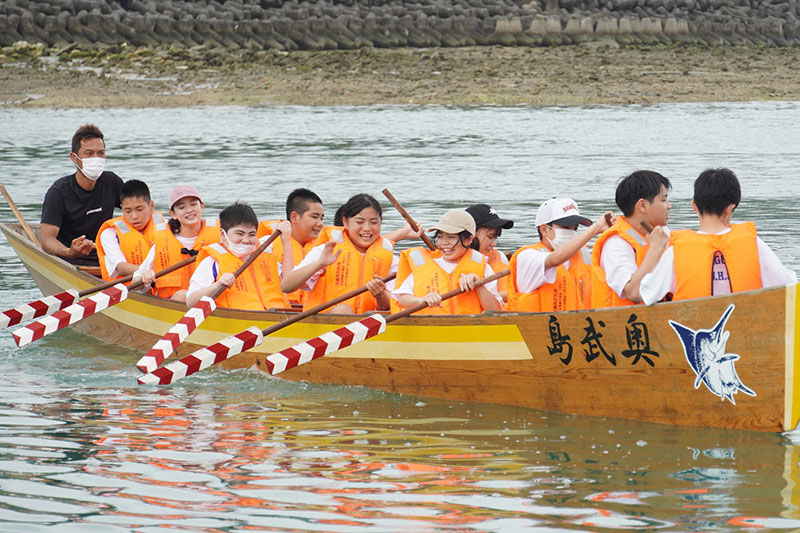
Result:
pixel 705 352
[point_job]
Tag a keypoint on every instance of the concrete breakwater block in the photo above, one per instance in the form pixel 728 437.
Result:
pixel 348 24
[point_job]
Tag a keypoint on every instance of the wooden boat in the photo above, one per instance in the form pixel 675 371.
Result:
pixel 725 361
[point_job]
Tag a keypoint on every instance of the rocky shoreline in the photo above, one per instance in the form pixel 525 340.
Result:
pixel 33 76
pixel 136 53
pixel 353 24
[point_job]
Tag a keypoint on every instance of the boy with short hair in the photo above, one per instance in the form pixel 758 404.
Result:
pixel 123 242
pixel 304 212
pixel 720 257
pixel 624 253
pixel 258 287
pixel 554 274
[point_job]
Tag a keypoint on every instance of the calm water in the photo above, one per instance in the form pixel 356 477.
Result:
pixel 82 448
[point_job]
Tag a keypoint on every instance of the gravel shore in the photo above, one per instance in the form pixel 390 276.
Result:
pixel 588 74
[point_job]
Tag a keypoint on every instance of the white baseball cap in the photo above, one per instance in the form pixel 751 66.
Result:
pixel 561 211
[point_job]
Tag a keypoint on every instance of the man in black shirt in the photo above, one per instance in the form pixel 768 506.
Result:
pixel 75 206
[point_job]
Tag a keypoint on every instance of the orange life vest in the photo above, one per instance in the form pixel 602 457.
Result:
pixel 498 261
pixel 430 277
pixel 133 243
pixel 266 227
pixel 350 271
pixel 695 255
pixel 168 252
pixel 299 252
pixel 257 288
pixel 602 294
pixel 571 290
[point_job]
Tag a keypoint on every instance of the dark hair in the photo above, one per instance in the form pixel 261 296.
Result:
pixel 337 217
pixel 715 189
pixel 237 214
pixel 134 189
pixel 298 201
pixel 87 131
pixel 640 184
pixel 357 203
pixel 462 238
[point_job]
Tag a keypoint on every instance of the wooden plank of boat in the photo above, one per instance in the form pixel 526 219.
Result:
pixel 725 361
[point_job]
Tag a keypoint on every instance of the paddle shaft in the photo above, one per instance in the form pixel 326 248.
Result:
pixel 241 342
pixel 645 224
pixel 140 283
pixel 248 262
pixel 405 215
pixel 321 307
pixel 446 296
pixel 20 218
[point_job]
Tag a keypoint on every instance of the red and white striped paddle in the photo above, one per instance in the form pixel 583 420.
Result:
pixel 195 316
pixel 50 304
pixel 67 316
pixel 235 344
pixel 350 334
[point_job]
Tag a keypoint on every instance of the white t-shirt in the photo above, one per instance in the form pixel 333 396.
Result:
pixel 407 287
pixel 618 261
pixel 114 256
pixel 316 252
pixel 531 270
pixel 661 280
pixel 206 272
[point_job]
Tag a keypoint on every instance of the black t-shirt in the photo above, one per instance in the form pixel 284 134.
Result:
pixel 77 211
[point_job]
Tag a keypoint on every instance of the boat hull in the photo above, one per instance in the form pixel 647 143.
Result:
pixel 725 361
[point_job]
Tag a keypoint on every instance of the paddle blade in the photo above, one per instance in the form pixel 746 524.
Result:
pixel 204 358
pixel 35 309
pixel 162 349
pixel 325 344
pixel 68 316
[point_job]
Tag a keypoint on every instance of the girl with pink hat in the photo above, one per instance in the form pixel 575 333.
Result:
pixel 181 237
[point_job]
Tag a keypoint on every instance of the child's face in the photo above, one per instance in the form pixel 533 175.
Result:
pixel 363 228
pixel 487 237
pixel 658 210
pixel 188 211
pixel 306 227
pixel 137 211
pixel 241 234
pixel 450 245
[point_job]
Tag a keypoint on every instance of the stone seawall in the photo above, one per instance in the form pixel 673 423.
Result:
pixel 349 24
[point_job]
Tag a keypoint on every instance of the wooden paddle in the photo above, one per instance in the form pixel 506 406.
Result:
pixel 408 218
pixel 243 341
pixel 52 303
pixel 352 333
pixel 85 308
pixel 195 316
pixel 235 344
pixel 28 231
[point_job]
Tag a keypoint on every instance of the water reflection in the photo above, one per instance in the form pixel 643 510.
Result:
pixel 342 459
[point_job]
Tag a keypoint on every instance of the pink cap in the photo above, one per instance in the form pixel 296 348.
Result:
pixel 182 191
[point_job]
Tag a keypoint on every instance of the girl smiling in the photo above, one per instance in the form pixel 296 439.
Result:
pixel 355 256
pixel 184 234
pixel 423 275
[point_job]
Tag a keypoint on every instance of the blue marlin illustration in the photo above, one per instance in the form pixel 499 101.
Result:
pixel 705 352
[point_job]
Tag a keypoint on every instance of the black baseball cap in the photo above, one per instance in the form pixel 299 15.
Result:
pixel 485 216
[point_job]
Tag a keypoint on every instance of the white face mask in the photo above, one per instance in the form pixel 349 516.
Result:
pixel 92 167
pixel 239 249
pixel 562 236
